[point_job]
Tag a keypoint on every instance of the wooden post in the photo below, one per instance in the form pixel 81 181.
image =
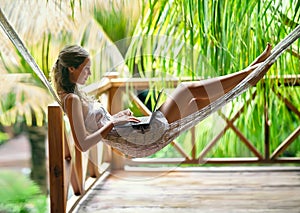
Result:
pixel 58 190
pixel 79 172
pixel 115 105
pixel 94 162
pixel 267 127
pixel 194 148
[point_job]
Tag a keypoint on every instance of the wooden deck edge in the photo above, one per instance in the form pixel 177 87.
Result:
pixel 74 201
pixel 233 160
pixel 215 169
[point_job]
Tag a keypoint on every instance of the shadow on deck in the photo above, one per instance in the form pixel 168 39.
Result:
pixel 226 189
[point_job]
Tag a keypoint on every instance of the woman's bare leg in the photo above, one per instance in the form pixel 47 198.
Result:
pixel 190 97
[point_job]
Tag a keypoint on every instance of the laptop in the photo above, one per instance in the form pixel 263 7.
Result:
pixel 144 120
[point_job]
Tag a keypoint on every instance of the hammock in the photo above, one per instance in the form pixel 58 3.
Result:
pixel 176 128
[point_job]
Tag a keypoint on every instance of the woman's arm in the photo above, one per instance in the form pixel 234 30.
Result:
pixel 83 139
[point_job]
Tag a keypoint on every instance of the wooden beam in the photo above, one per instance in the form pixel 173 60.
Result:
pixel 194 147
pixel 143 83
pixel 115 105
pixel 215 139
pixel 244 139
pixel 211 144
pixel 238 160
pixel 180 150
pixel 58 189
pixel 93 162
pixel 266 127
pixel 286 143
pixel 288 104
pixel 78 172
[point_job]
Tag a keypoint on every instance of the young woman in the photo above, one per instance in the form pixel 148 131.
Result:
pixel 91 123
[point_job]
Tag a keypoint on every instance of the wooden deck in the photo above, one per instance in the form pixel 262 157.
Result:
pixel 223 189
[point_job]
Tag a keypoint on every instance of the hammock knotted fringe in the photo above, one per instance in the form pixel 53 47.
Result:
pixel 177 127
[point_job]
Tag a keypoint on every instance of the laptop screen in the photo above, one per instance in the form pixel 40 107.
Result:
pixel 156 103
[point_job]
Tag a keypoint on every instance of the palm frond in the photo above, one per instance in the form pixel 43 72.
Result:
pixel 212 38
pixel 22 99
pixel 118 20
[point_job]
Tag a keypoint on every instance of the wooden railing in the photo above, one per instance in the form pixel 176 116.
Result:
pixel 72 173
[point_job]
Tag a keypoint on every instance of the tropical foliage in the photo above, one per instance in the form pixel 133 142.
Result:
pixel 19 194
pixel 201 39
pixel 163 38
pixel 45 27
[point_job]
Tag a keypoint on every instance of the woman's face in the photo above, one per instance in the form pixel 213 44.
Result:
pixel 80 74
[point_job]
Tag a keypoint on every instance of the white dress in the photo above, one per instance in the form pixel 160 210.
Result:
pixel 98 116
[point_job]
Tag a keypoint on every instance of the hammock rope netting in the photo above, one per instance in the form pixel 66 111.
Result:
pixel 175 128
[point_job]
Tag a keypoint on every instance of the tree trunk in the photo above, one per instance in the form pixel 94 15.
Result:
pixel 37 138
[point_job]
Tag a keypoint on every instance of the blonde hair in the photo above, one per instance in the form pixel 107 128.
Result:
pixel 70 56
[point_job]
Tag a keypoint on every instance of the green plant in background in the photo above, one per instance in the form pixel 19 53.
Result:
pixel 118 20
pixel 3 137
pixel 52 27
pixel 24 100
pixel 201 39
pixel 19 194
pixel 24 97
pixel 45 27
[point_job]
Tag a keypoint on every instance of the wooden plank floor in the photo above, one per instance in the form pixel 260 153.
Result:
pixel 227 189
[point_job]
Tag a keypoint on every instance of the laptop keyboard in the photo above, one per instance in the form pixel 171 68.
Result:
pixel 144 118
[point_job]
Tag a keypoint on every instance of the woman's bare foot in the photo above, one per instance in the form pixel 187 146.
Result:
pixel 258 61
pixel 263 56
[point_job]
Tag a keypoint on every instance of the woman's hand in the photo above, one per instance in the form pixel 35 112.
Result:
pixel 122 113
pixel 124 119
